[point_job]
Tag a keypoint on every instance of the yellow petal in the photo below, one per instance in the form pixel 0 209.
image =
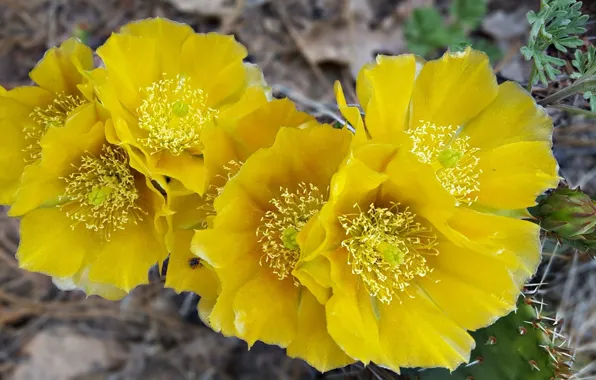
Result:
pixel 453 89
pixel 59 251
pixel 352 115
pixel 512 117
pixel 12 159
pixel 315 275
pixel 169 36
pixel 312 342
pixel 351 320
pixel 15 107
pixel 259 128
pixel 233 277
pixel 188 169
pixel 416 333
pixel 415 185
pixel 42 182
pixel 514 242
pixel 266 309
pixel 186 272
pixel 205 308
pixel 252 99
pixel 191 211
pixel 232 236
pixel 472 289
pixel 58 70
pixel 214 62
pixel 80 281
pixel 384 90
pixel 513 175
pixel 131 64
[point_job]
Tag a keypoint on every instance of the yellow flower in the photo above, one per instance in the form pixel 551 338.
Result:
pixel 489 144
pixel 166 85
pixel 261 226
pixel 91 218
pixel 26 113
pixel 226 149
pixel 409 271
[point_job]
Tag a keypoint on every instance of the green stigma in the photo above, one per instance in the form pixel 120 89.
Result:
pixel 288 237
pixel 449 158
pixel 392 254
pixel 99 195
pixel 180 109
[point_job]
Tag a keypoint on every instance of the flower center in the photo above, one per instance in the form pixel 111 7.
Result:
pixel 281 225
pixel 173 113
pixel 102 193
pixel 452 157
pixel 387 249
pixel 53 115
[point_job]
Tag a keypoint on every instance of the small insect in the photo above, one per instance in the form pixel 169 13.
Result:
pixel 194 263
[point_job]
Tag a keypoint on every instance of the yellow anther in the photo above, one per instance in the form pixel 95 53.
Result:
pixel 452 157
pixel 173 113
pixel 387 249
pixel 282 223
pixel 102 193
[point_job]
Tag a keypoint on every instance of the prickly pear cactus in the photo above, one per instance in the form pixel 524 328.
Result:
pixel 520 346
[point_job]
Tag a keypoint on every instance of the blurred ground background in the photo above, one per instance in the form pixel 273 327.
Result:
pixel 303 46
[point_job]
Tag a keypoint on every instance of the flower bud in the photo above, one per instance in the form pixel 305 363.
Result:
pixel 568 213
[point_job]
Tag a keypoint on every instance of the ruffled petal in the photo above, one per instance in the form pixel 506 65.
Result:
pixel 59 251
pixel 259 128
pixel 514 242
pixel 169 36
pixel 266 309
pixel 415 185
pixel 131 64
pixel 188 169
pixel 453 89
pixel 483 284
pixel 512 117
pixel 384 89
pixel 58 71
pixel 15 107
pixel 186 272
pixel 312 342
pixel 417 333
pixel 80 281
pixel 514 175
pixel 222 316
pixel 351 321
pixel 233 232
pixel 214 63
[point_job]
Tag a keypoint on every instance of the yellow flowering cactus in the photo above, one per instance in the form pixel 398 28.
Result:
pixel 165 86
pixel 385 241
pixel 84 195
